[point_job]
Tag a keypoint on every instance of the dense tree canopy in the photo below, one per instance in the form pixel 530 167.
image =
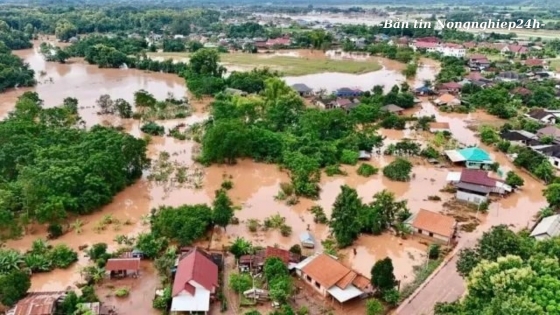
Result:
pixel 508 273
pixel 50 167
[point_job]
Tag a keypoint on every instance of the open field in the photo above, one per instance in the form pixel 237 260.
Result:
pixel 290 66
pixel 555 64
pixel 521 33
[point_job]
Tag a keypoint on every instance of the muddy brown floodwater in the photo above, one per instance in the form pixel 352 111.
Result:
pixel 255 184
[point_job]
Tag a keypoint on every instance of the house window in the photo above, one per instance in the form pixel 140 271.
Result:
pixel 431 234
pixel 419 231
pixel 317 285
pixel 308 278
pixel 555 162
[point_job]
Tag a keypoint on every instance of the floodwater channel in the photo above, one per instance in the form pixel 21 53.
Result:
pixel 255 184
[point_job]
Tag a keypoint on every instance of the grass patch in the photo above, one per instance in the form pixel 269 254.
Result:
pixel 421 273
pixel 290 66
pixel 555 64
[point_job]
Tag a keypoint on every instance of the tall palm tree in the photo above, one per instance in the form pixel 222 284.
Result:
pixel 10 259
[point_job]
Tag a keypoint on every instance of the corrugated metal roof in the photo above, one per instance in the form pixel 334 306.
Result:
pixel 548 227
pixel 117 264
pixel 454 156
pixel 475 188
pixel 37 303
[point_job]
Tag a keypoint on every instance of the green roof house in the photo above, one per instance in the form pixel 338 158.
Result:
pixel 472 157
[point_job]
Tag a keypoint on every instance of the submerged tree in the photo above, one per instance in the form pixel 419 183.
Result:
pixel 382 275
pixel 343 221
pixel 222 211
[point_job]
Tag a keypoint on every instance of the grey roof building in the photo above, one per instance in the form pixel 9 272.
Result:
pixel 548 227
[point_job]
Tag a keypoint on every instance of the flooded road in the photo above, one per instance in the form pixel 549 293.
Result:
pixel 255 184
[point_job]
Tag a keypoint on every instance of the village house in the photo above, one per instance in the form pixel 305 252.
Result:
pixel 449 87
pixel 330 278
pixel 98 308
pixel 433 225
pixel 324 102
pixel 479 178
pixel 447 100
pixel 509 76
pixel 521 91
pixel 472 157
pixel 281 41
pixel 452 50
pixel 348 92
pixel 122 267
pixel 478 62
pixel 255 262
pixel 552 152
pixel 550 131
pixel 439 127
pixel 195 283
pixel 536 64
pixel 424 90
pixel 548 227
pixel 393 109
pixel 38 303
pixel 514 50
pixel 428 46
pixel 302 89
pixel 541 116
pixel 520 137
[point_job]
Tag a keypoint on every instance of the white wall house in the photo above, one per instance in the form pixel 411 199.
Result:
pixel 452 51
pixel 548 227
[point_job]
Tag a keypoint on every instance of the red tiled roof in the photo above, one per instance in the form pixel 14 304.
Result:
pixel 474 76
pixel 434 222
pixel 116 264
pixel 195 267
pixel 477 177
pixel 430 39
pixel 453 45
pixel 278 41
pixel 343 101
pixel 425 45
pixel 521 91
pixel 517 48
pixel 470 44
pixel 534 62
pixel 283 254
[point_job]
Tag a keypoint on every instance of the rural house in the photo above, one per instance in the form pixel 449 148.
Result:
pixel 195 283
pixel 472 157
pixel 548 227
pixel 331 278
pixel 520 137
pixel 439 127
pixel 256 261
pixel 552 152
pixel 549 131
pixel 465 180
pixel 38 303
pixel 122 267
pixel 541 116
pixel 433 225
pixel 348 92
pixel 449 87
pixel 447 100
pixel 393 109
pixel 302 89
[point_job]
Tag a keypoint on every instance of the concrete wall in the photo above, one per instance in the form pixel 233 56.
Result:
pixel 436 237
pixel 554 161
pixel 466 196
pixel 312 283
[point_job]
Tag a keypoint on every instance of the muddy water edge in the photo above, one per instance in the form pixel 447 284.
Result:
pixel 255 185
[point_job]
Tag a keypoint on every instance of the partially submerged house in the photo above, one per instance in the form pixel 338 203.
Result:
pixel 548 227
pixel 38 303
pixel 520 137
pixel 551 152
pixel 122 267
pixel 439 127
pixel 424 90
pixel 447 100
pixel 541 116
pixel 330 278
pixel 475 185
pixel 348 92
pixel 434 225
pixel 255 262
pixel 195 283
pixel 550 131
pixel 449 87
pixel 302 89
pixel 393 109
pixel 472 157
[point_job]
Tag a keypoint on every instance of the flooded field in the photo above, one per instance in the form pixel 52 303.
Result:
pixel 255 185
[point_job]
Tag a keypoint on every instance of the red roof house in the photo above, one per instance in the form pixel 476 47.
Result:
pixel 196 280
pixel 430 39
pixel 283 254
pixel 534 62
pixel 282 41
pixel 477 177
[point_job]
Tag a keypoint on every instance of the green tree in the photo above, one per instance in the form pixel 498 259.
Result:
pixel 240 282
pixel 398 170
pixel 552 195
pixel 514 180
pixel 150 245
pixel 345 211
pixel 13 287
pixel 222 209
pixel 225 141
pixel 374 307
pixel 241 247
pixel 382 275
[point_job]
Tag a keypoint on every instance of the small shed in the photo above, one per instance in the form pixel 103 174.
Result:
pixel 302 89
pixel 122 267
pixel 393 109
pixel 548 227
pixel 307 240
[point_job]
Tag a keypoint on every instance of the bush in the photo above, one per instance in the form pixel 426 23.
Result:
pixel 285 230
pixel 122 292
pixel 153 129
pixel 55 230
pixel 227 184
pixel 434 251
pixel 97 251
pixel 398 170
pixel 252 225
pixel 332 170
pixel 392 296
pixel 63 256
pixel 296 249
pixel 367 170
pixel 319 215
pixel 349 157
